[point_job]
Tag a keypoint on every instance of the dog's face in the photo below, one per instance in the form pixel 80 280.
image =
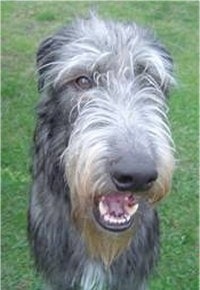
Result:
pixel 108 84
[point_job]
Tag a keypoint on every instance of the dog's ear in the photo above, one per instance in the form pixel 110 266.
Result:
pixel 162 68
pixel 44 58
pixel 43 53
pixel 155 62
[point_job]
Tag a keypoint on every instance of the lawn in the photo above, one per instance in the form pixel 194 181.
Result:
pixel 24 25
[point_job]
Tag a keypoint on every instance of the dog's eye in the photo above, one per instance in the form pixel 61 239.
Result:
pixel 84 82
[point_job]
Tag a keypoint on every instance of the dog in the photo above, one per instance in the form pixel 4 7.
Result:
pixel 103 155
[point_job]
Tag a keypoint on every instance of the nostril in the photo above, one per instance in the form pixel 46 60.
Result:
pixel 136 181
pixel 123 182
pixel 131 177
pixel 153 175
pixel 123 179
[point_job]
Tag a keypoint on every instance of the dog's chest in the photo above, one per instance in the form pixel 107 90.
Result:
pixel 93 277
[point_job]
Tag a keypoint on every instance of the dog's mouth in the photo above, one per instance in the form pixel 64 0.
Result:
pixel 115 211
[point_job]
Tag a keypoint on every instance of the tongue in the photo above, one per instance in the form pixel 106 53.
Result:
pixel 116 204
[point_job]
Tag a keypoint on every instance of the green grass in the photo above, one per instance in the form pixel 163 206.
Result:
pixel 24 25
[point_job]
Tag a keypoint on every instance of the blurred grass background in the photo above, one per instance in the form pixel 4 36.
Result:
pixel 24 25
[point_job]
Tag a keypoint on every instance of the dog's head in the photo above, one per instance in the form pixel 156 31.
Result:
pixel 107 84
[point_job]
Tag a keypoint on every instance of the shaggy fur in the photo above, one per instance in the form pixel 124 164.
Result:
pixel 103 155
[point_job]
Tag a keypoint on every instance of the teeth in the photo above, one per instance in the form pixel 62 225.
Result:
pixel 112 220
pixel 122 220
pixel 126 198
pixel 129 212
pixel 115 220
pixel 127 217
pixel 107 217
pixel 103 208
pixel 132 210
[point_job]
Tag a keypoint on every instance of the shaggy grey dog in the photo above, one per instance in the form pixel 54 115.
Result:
pixel 103 156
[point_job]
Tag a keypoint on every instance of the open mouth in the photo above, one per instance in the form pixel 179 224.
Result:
pixel 115 211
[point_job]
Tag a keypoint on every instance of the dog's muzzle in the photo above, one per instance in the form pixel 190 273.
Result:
pixel 132 177
pixel 115 211
pixel 133 172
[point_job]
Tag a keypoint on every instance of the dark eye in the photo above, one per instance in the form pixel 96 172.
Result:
pixel 84 82
pixel 139 69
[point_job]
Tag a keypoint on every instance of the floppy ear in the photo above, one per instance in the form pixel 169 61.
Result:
pixel 43 53
pixel 168 80
pixel 162 68
pixel 155 63
pixel 45 57
pixel 48 54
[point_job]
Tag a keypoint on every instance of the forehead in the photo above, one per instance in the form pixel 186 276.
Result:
pixel 99 45
pixel 95 45
pixel 106 35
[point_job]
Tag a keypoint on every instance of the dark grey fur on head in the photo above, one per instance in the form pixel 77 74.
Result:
pixel 103 155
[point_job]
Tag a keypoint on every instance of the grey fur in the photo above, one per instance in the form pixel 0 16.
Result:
pixel 79 130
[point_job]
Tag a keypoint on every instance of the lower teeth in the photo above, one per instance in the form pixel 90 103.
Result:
pixel 114 220
pixel 129 211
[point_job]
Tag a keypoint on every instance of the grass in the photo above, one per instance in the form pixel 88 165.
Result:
pixel 24 25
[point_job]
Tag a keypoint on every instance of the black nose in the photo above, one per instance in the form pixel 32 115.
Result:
pixel 135 173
